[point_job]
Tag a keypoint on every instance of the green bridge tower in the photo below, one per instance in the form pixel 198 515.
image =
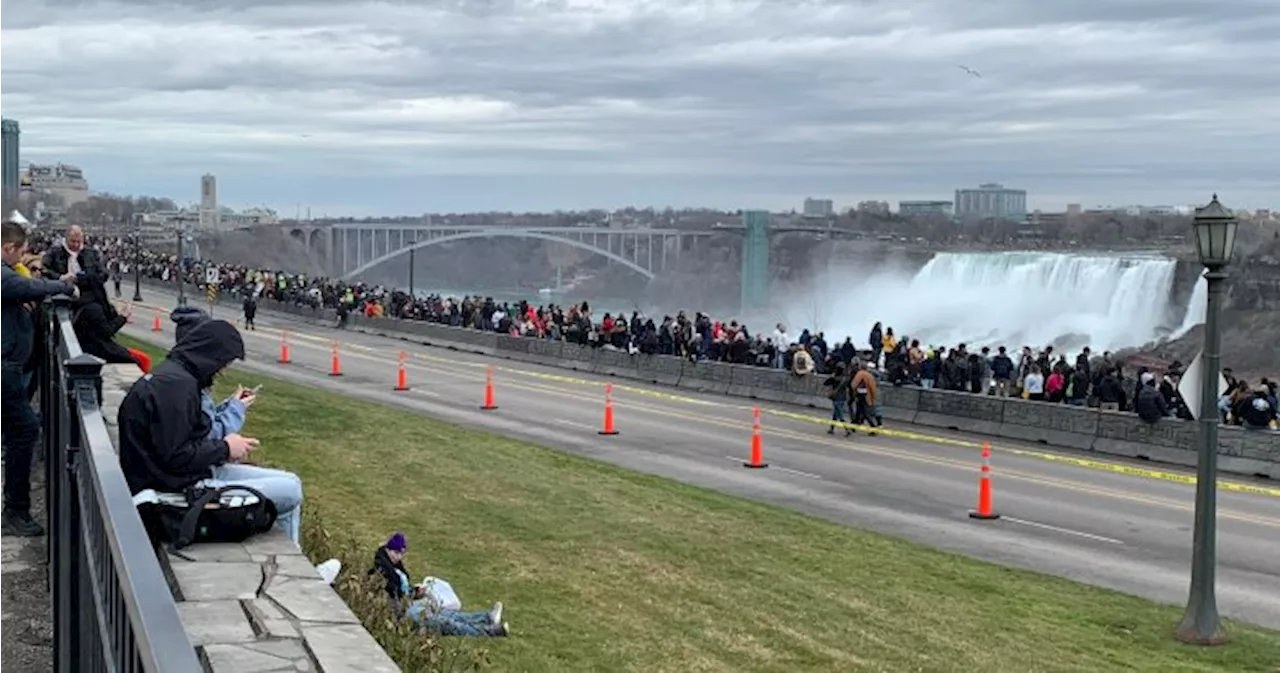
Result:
pixel 755 259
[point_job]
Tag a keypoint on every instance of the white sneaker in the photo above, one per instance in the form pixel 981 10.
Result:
pixel 495 615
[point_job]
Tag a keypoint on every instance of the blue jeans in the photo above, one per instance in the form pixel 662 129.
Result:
pixel 927 384
pixel 21 430
pixel 454 622
pixel 837 409
pixel 283 489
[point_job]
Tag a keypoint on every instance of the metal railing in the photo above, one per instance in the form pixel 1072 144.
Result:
pixel 112 607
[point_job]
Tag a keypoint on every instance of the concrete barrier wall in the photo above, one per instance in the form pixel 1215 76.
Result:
pixel 1170 441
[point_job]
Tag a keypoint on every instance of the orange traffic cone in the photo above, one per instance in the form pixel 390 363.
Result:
pixel 757 444
pixel 402 377
pixel 489 404
pixel 608 411
pixel 985 509
pixel 284 348
pixel 335 367
pixel 155 322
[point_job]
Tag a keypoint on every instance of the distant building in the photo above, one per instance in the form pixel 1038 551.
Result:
pixel 62 181
pixel 249 217
pixel 819 208
pixel 210 214
pixel 1042 219
pixel 910 208
pixel 991 200
pixel 1074 209
pixel 12 153
pixel 874 207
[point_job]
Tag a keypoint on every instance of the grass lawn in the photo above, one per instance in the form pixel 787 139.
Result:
pixel 603 569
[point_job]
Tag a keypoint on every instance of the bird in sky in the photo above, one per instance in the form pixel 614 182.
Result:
pixel 969 70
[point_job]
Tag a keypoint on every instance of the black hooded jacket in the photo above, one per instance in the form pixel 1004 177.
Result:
pixel 96 332
pixel 383 565
pixel 164 441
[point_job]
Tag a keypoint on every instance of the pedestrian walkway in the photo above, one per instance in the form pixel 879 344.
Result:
pixel 27 633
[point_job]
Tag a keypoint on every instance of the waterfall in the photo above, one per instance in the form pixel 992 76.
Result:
pixel 1196 309
pixel 1011 299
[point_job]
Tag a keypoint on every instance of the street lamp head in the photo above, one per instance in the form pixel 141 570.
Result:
pixel 1215 228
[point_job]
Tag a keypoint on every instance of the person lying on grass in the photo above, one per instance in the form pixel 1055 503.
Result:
pixel 435 611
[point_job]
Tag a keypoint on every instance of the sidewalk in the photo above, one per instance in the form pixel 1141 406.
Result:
pixel 27 634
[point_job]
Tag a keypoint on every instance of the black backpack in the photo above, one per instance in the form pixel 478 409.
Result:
pixel 204 514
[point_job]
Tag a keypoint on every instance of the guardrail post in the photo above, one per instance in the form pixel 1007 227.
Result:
pixel 83 380
pixel 50 395
pixel 59 500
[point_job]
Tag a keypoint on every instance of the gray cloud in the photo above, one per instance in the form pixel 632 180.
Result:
pixel 366 107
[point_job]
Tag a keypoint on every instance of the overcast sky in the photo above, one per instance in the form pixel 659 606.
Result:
pixel 458 105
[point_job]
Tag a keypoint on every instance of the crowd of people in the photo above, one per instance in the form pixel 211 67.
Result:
pixel 1041 375
pixel 182 454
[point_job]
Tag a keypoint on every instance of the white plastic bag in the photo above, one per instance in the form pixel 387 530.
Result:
pixel 329 570
pixel 440 593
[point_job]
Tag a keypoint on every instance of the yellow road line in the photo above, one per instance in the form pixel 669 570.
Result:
pixel 1085 463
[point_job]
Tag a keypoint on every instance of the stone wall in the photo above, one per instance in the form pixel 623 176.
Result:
pixel 258 605
pixel 1121 434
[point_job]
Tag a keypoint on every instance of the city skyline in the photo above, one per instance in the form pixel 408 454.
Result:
pixel 522 106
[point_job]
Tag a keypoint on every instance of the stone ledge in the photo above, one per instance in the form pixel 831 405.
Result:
pixel 259 605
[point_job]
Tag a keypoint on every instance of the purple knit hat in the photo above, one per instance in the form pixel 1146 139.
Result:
pixel 397 542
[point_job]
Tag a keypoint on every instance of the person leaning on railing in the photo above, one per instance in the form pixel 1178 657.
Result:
pixel 20 424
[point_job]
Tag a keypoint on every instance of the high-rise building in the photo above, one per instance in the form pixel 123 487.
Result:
pixel 12 153
pixel 819 208
pixel 63 185
pixel 210 215
pixel 991 200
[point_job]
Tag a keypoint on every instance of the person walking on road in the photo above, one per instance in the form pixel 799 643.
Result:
pixel 250 309
pixel 21 425
pixel 864 388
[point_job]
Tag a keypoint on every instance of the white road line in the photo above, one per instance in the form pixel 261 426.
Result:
pixel 1068 531
pixel 740 459
pixel 428 393
pixel 573 424
pixel 798 472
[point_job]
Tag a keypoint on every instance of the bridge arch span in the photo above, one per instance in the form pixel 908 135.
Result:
pixel 468 235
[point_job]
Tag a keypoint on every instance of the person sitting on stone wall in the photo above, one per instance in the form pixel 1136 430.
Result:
pixel 283 488
pixel 167 442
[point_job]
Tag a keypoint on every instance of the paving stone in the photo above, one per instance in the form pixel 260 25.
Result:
pixel 271 542
pixel 271 621
pixel 217 581
pixel 263 657
pixel 211 552
pixel 296 566
pixel 346 649
pixel 215 622
pixel 310 600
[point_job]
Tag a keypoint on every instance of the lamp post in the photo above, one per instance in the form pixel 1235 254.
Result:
pixel 413 248
pixel 1215 229
pixel 182 282
pixel 137 260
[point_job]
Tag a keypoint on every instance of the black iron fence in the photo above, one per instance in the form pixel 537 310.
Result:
pixel 112 607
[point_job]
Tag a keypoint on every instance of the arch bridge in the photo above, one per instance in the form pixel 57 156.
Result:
pixel 353 249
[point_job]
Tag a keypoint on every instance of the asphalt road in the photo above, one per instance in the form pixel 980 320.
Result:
pixel 1107 522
